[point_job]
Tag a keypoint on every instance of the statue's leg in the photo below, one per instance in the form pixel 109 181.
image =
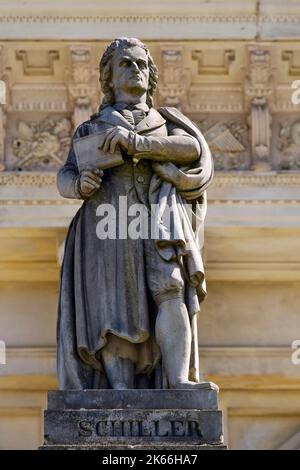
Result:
pixel 116 358
pixel 172 329
pixel 173 334
pixel 119 372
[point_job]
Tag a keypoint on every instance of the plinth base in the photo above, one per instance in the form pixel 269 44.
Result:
pixel 133 420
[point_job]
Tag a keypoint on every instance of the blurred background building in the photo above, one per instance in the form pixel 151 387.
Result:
pixel 229 65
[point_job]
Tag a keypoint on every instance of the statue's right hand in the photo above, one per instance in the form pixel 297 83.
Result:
pixel 90 181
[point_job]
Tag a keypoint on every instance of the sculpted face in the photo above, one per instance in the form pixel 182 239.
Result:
pixel 130 72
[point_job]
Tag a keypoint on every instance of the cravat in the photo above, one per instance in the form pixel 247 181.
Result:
pixel 133 117
pixel 128 115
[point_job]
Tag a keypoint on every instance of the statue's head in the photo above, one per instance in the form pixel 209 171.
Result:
pixel 127 65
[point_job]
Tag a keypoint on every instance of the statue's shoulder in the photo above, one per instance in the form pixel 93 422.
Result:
pixel 94 116
pixel 91 126
pixel 85 128
pixel 103 113
pixel 171 113
pixel 177 117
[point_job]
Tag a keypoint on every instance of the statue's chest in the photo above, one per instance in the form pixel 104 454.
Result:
pixel 160 131
pixel 149 129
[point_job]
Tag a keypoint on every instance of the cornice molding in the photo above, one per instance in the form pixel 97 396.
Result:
pixel 253 202
pixel 74 20
pixel 40 202
pixel 34 363
pixel 257 179
pixel 206 351
pixel 13 178
pixel 40 179
pixel 214 107
pixel 292 18
pixel 39 106
pixel 31 352
pixel 230 18
pixel 158 18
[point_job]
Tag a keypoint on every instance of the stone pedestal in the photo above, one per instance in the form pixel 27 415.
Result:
pixel 133 419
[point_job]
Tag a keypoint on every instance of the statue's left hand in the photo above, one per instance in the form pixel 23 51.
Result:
pixel 116 136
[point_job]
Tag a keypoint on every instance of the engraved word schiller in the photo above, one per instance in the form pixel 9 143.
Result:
pixel 140 428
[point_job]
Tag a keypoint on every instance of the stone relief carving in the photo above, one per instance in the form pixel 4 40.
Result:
pixel 41 145
pixel 175 79
pixel 228 141
pixel 259 97
pixel 288 143
pixel 82 84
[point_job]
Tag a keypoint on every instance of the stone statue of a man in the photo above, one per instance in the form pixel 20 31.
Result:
pixel 128 305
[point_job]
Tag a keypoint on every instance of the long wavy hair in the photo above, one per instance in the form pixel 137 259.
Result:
pixel 106 70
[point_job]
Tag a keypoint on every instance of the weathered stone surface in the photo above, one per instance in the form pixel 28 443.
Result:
pixel 133 426
pixel 202 399
pixel 133 419
pixel 157 446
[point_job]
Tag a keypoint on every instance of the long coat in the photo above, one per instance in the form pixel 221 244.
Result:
pixel 103 283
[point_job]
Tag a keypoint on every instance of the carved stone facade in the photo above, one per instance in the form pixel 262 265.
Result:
pixel 245 87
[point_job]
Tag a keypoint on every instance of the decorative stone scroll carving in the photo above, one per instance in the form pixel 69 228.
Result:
pixel 175 79
pixel 259 97
pixel 83 84
pixel 42 145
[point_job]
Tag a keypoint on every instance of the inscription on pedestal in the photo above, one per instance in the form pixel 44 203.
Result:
pixel 140 428
pixel 132 426
pixel 126 419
